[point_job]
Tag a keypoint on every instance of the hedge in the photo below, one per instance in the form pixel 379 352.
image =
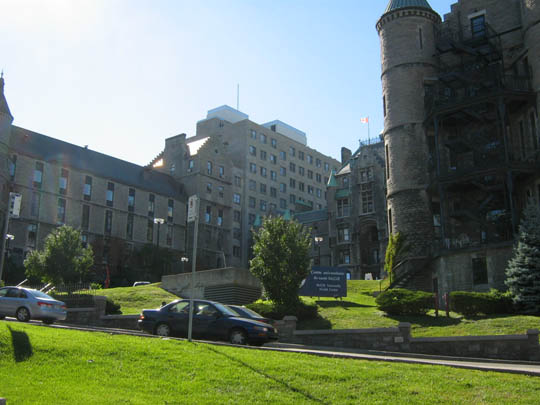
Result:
pixel 400 301
pixel 268 310
pixel 474 303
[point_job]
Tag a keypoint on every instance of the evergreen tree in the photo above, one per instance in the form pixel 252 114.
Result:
pixel 523 270
pixel 281 259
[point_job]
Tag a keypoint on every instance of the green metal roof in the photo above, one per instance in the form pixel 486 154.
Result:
pixel 397 4
pixel 344 192
pixel 332 180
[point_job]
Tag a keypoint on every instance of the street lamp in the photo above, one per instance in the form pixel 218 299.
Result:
pixel 183 259
pixel 318 242
pixel 158 221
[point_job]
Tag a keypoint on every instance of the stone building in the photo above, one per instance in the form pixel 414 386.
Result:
pixel 114 203
pixel 460 99
pixel 243 171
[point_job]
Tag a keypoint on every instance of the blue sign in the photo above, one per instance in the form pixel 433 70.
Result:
pixel 325 282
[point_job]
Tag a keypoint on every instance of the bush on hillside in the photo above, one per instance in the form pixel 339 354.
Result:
pixel 474 303
pixel 302 311
pixel 400 301
pixel 112 308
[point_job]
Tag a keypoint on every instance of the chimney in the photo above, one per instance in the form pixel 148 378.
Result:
pixel 345 155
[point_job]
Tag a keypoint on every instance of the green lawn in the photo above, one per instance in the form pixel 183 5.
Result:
pixel 358 310
pixel 41 365
pixel 133 299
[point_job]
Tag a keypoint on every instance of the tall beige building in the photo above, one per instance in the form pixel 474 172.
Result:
pixel 462 146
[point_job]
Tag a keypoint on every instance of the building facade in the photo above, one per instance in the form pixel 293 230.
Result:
pixel 461 139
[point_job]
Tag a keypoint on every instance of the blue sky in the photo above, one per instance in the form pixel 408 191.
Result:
pixel 123 75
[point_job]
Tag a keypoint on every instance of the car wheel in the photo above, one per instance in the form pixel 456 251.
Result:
pixel 48 321
pixel 163 330
pixel 23 315
pixel 238 337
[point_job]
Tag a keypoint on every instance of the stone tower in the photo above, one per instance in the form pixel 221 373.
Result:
pixel 531 34
pixel 407 35
pixel 6 120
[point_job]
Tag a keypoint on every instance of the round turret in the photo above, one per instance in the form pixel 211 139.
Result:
pixel 407 36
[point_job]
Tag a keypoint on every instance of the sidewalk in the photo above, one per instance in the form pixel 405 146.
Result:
pixel 503 366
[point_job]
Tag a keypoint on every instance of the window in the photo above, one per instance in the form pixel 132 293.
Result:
pixel 263 155
pixel 237 216
pixel 345 256
pixel 252 202
pixel 253 168
pixel 534 135
pixel 131 200
pixel 301 170
pixel 85 222
pixel 263 205
pixel 282 203
pixel 12 167
pixel 236 198
pixel 384 106
pixel 300 155
pixel 292 167
pixel 326 167
pixel 109 196
pixel 282 187
pixel 237 181
pixel 292 199
pixel 282 171
pixel 236 251
pixel 367 198
pixel 292 183
pixel 253 134
pixel 310 189
pixel 129 227
pixel 108 222
pixel 262 188
pixel 170 210
pixel 252 150
pixel 344 235
pixel 273 192
pixel 319 193
pixel 272 207
pixel 209 188
pixel 62 182
pixel 273 142
pixel 282 155
pixel 32 236
pixel 273 159
pixel 479 270
pixel 522 139
pixel 221 171
pixel 151 205
pixel 34 206
pixel 318 177
pixel 390 221
pixel 208 214
pixel 345 181
pixel 300 186
pixel 209 167
pixel 420 38
pixel 38 175
pixel 263 138
pixel 61 211
pixel 318 162
pixel 221 191
pixel 220 218
pixel 150 230
pixel 251 219
pixel 387 163
pixel 252 185
pixel 310 159
pixel 343 208
pixel 263 171
pixel 478 26
pixel 273 175
pixel 87 189
pixel 292 151
pixel 310 174
pixel 84 239
pixel 366 175
pixel 169 237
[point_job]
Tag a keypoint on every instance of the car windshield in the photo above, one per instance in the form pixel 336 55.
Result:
pixel 39 294
pixel 224 310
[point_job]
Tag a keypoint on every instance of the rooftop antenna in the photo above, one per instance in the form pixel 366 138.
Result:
pixel 238 97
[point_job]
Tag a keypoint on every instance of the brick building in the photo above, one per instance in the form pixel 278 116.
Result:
pixel 460 99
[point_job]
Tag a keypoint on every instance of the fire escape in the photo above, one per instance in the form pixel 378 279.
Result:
pixel 474 172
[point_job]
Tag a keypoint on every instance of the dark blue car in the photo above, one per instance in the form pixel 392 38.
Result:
pixel 211 321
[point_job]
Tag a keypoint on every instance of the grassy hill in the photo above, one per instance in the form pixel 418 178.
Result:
pixel 40 365
pixel 134 299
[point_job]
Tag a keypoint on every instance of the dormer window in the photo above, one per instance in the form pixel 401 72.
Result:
pixel 478 26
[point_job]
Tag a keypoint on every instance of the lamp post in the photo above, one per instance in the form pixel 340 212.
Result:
pixel 183 259
pixel 318 242
pixel 158 221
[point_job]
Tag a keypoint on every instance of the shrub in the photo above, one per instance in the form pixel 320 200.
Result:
pixel 473 303
pixel 112 308
pixel 2 283
pixel 302 311
pixel 96 286
pixel 400 301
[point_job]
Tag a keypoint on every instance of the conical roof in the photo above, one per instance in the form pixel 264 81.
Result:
pixel 397 4
pixel 4 108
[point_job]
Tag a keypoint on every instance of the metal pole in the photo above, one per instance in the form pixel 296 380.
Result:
pixel 193 262
pixel 4 233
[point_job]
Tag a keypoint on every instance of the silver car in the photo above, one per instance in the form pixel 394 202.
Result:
pixel 25 304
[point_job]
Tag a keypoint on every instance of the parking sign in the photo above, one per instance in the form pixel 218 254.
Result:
pixel 193 208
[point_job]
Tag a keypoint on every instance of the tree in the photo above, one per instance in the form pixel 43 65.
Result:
pixel 281 259
pixel 395 251
pixel 63 258
pixel 523 270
